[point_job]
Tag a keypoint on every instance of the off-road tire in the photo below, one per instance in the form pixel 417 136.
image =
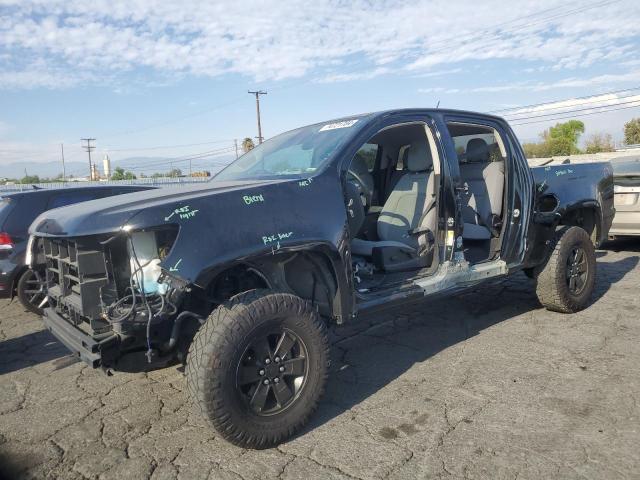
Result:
pixel 212 366
pixel 552 286
pixel 23 296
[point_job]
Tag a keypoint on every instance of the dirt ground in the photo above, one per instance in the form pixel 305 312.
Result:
pixel 482 385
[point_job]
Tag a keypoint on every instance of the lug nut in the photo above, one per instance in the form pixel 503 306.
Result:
pixel 276 380
pixel 261 372
pixel 266 381
pixel 267 361
pixel 277 359
pixel 282 369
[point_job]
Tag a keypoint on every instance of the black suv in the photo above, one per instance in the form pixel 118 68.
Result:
pixel 17 211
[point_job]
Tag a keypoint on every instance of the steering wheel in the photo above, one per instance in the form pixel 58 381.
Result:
pixel 366 194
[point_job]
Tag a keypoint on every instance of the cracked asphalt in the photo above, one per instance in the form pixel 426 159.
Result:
pixel 482 385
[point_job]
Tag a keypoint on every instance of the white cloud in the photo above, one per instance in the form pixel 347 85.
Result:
pixel 568 83
pixel 584 105
pixel 63 43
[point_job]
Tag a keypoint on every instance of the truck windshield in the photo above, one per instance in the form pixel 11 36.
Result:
pixel 294 154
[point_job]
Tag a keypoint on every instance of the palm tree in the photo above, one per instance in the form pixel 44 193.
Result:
pixel 247 145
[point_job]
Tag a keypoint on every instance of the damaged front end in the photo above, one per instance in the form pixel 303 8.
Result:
pixel 110 302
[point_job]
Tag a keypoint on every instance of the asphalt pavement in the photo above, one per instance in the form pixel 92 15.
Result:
pixel 482 385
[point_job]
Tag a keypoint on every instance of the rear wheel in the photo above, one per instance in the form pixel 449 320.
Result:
pixel 32 290
pixel 258 367
pixel 566 282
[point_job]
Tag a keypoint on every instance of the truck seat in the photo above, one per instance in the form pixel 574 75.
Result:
pixel 485 182
pixel 404 207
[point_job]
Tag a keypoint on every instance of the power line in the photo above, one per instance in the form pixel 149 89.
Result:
pixel 162 147
pixel 553 102
pixel 257 93
pixel 89 148
pixel 171 161
pixel 64 172
pixel 575 110
pixel 579 115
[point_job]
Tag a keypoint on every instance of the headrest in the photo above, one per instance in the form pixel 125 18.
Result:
pixel 477 151
pixel 419 156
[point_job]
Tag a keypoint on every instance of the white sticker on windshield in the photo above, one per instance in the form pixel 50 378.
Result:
pixel 335 126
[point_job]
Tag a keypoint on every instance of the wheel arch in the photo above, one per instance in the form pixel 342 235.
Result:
pixel 312 273
pixel 588 216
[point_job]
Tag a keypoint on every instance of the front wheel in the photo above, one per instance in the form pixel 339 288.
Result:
pixel 258 367
pixel 566 282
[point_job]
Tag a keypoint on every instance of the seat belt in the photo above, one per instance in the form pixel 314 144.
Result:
pixel 481 221
pixel 426 238
pixel 387 181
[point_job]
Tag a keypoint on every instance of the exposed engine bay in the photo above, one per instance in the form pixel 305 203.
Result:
pixel 114 290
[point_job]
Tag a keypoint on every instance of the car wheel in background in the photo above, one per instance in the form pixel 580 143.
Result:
pixel 32 290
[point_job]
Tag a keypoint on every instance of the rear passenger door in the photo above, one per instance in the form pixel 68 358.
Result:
pixel 517 190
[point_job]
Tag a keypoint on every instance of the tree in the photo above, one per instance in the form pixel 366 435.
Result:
pixel 599 142
pixel 632 132
pixel 120 174
pixel 30 179
pixel 247 145
pixel 175 172
pixel 561 139
pixel 535 150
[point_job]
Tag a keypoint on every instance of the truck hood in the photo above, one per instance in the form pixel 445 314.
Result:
pixel 110 214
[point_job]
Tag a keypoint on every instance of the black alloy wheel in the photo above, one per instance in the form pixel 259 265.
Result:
pixel 577 271
pixel 272 371
pixel 32 290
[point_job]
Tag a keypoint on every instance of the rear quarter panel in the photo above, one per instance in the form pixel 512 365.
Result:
pixel 574 186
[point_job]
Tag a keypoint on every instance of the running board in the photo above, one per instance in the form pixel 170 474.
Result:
pixel 455 275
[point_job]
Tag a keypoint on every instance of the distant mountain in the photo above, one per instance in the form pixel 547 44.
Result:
pixel 42 169
pixel 146 165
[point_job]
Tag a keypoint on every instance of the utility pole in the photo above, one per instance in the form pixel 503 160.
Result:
pixel 235 142
pixel 64 172
pixel 89 148
pixel 257 94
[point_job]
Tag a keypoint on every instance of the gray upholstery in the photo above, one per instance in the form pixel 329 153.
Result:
pixel 485 182
pixel 404 207
pixel 365 247
pixel 419 156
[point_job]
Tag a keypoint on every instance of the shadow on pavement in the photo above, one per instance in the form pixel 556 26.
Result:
pixel 362 365
pixel 610 273
pixel 623 244
pixel 28 350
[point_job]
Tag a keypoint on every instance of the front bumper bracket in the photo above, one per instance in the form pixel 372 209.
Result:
pixel 84 346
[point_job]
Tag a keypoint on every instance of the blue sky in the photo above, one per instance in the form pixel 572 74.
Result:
pixel 143 74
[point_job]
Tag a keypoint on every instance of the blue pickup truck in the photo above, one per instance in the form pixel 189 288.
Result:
pixel 240 277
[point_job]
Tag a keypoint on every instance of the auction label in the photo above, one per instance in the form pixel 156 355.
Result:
pixel 335 126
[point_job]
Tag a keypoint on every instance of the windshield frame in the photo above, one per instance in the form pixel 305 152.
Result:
pixel 361 121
